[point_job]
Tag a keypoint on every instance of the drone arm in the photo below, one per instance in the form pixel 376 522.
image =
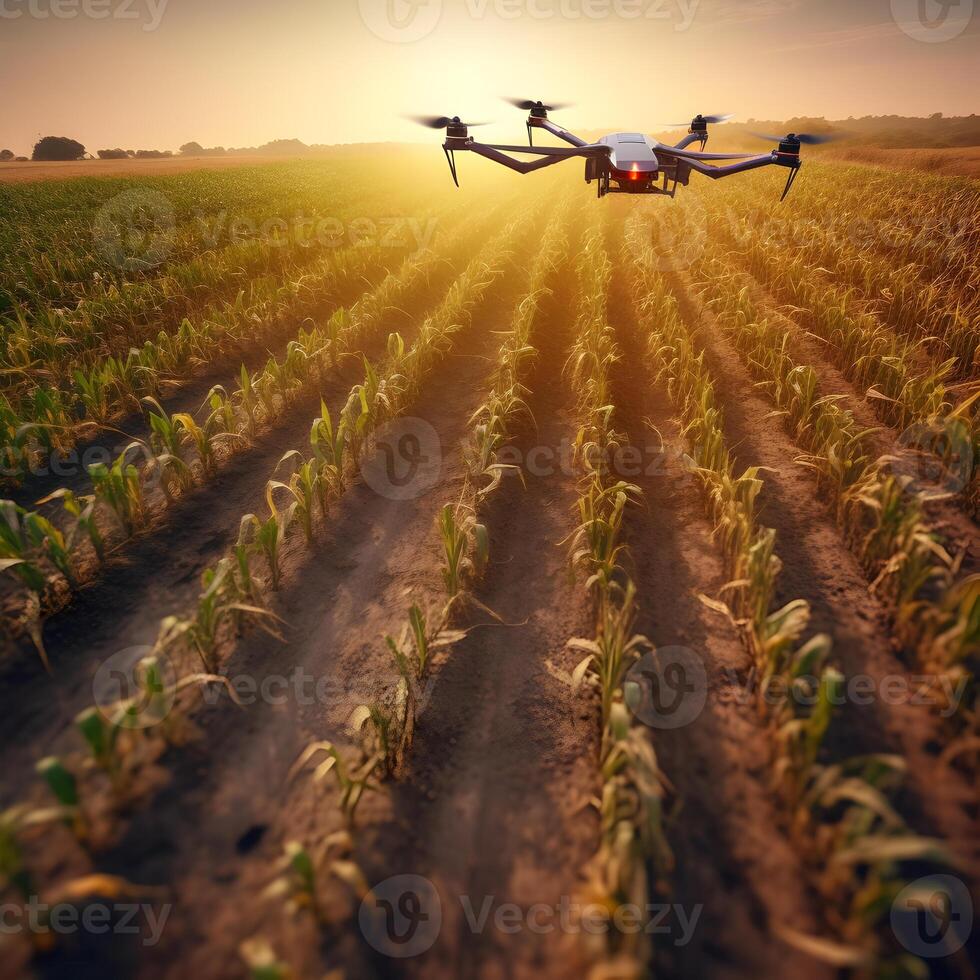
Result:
pixel 562 134
pixel 753 163
pixel 688 140
pixel 715 173
pixel 521 166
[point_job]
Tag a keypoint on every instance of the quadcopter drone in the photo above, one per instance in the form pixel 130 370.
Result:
pixel 622 163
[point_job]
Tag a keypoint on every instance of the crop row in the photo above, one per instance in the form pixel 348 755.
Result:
pixel 184 450
pixel 234 589
pixel 934 306
pixel 903 393
pixel 936 608
pixel 840 811
pixel 63 241
pixel 51 417
pixel 632 849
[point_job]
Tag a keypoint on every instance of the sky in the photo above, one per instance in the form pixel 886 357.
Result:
pixel 154 74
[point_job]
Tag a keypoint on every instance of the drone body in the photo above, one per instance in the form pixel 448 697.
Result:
pixel 622 163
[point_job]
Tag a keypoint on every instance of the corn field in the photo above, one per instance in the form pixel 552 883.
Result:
pixel 546 553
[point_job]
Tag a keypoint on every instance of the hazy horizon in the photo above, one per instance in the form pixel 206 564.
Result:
pixel 159 73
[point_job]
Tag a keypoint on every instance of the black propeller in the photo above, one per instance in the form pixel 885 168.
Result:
pixel 718 117
pixel 809 139
pixel 528 105
pixel 441 122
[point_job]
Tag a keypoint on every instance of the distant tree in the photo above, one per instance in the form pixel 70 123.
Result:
pixel 21 160
pixel 191 149
pixel 116 154
pixel 153 154
pixel 6 155
pixel 283 148
pixel 58 148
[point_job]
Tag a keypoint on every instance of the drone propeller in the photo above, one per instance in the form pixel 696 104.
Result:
pixel 529 104
pixel 809 139
pixel 442 122
pixel 718 117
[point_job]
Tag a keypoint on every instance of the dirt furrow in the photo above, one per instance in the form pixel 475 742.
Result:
pixel 159 574
pixel 494 809
pixel 214 834
pixel 733 859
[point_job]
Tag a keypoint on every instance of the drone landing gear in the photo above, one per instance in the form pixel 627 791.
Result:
pixel 451 160
pixel 790 180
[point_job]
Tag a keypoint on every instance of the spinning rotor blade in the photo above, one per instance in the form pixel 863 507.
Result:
pixel 441 122
pixel 719 117
pixel 527 105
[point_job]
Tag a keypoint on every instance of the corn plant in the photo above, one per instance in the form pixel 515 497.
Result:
pixel 329 443
pixel 269 535
pixel 614 649
pixel 303 486
pixel 353 779
pixel 466 546
pixel 120 487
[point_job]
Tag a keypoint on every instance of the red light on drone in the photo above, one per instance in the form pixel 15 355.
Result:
pixel 635 172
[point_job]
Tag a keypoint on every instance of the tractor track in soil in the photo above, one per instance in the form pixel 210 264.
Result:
pixel 214 833
pixel 731 853
pixel 159 572
pixel 819 567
